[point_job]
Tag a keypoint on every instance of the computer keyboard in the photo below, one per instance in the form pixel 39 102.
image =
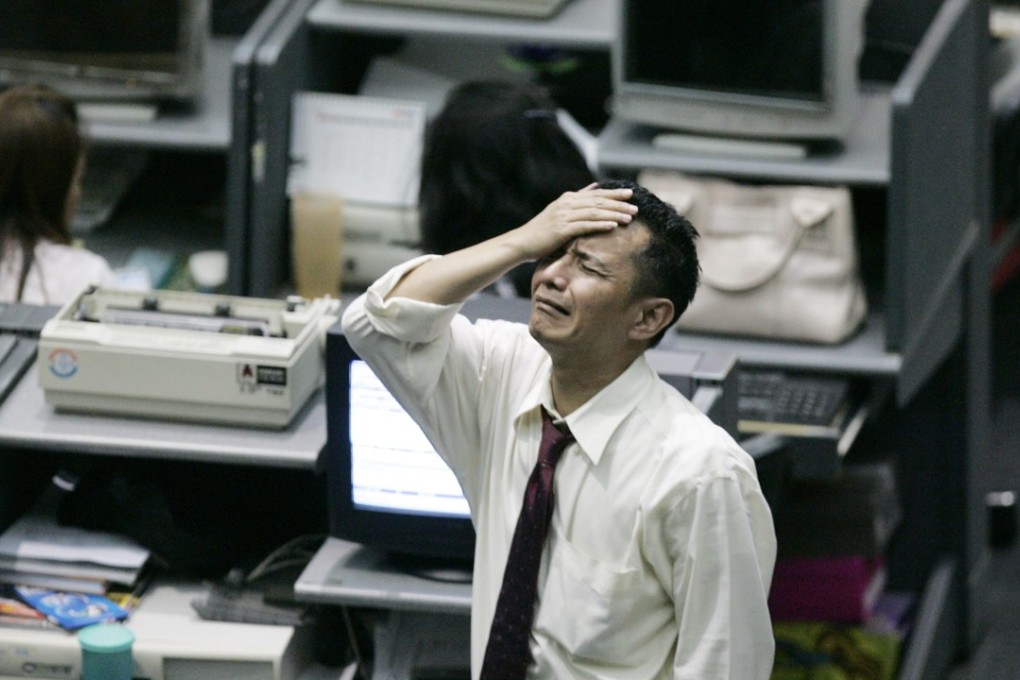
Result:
pixel 766 396
pixel 20 326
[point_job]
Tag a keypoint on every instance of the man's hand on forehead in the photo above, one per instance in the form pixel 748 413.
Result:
pixel 590 210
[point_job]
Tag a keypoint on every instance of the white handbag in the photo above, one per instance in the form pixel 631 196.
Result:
pixel 777 261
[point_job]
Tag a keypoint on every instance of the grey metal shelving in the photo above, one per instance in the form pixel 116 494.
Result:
pixel 864 354
pixel 27 422
pixel 203 125
pixel 862 160
pixel 581 23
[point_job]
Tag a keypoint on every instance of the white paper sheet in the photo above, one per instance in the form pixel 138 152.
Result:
pixel 363 149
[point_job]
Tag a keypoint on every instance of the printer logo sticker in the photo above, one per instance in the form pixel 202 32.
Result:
pixel 63 363
pixel 251 377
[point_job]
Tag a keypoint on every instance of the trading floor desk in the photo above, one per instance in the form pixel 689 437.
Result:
pixel 30 426
pixel 27 421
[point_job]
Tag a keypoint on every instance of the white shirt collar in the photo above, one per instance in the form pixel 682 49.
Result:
pixel 595 422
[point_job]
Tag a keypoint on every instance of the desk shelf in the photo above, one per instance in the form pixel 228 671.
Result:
pixel 205 125
pixel 863 354
pixel 862 160
pixel 580 23
pixel 27 421
pixel 350 574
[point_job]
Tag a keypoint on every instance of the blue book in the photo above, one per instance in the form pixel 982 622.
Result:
pixel 71 611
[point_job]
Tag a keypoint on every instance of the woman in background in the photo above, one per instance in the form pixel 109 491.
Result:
pixel 42 158
pixel 493 158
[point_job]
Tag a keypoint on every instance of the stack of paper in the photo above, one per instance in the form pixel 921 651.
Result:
pixel 37 551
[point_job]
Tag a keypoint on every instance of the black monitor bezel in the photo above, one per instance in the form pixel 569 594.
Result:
pixel 82 78
pixel 405 535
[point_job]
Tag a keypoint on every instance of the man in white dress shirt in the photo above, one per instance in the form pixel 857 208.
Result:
pixel 661 547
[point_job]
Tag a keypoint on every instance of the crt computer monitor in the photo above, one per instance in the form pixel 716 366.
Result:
pixel 757 69
pixel 106 50
pixel 388 488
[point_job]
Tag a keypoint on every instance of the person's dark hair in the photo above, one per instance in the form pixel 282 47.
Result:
pixel 40 148
pixel 494 157
pixel 668 267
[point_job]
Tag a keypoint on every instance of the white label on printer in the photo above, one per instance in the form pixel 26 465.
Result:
pixel 251 376
pixel 275 376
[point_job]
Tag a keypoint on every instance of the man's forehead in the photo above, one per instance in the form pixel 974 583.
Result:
pixel 626 237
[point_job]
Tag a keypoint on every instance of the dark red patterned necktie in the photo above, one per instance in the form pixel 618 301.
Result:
pixel 508 654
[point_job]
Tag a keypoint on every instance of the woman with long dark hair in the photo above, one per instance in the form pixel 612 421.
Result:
pixel 493 158
pixel 42 158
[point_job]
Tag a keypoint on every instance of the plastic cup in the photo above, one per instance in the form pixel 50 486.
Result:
pixel 106 652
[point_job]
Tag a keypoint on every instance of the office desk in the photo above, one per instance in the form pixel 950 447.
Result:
pixel 27 421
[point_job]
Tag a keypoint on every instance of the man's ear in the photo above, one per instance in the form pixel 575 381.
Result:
pixel 653 314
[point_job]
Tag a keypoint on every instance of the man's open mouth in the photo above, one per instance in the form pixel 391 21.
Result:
pixel 549 304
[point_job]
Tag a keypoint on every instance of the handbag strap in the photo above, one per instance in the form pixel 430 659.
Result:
pixel 807 212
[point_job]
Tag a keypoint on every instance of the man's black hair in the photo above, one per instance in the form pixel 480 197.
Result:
pixel 668 267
